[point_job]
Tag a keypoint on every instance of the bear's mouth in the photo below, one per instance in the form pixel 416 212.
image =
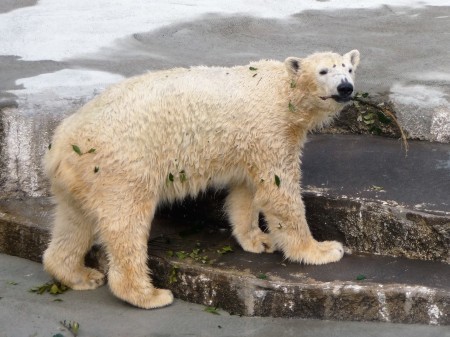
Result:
pixel 337 98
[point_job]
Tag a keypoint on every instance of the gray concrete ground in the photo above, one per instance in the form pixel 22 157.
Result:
pixel 99 314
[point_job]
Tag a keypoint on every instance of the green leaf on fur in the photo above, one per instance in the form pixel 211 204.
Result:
pixel 277 181
pixel 253 68
pixel 292 107
pixel 77 150
pixel 183 177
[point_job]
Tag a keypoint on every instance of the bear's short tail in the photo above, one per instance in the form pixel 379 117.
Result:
pixel 51 161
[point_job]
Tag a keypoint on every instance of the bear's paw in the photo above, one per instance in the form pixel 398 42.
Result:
pixel 256 241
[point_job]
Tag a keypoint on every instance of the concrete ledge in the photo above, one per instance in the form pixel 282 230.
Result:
pixel 379 227
pixel 393 289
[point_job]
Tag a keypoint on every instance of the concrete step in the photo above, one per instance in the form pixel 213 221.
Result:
pixel 184 257
pixel 365 191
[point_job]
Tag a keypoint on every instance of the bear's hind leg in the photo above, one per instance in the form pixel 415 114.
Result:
pixel 124 231
pixel 244 216
pixel 71 239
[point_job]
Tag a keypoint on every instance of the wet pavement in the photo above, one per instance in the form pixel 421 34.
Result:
pixel 99 314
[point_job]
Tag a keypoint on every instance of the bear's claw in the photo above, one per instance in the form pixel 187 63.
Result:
pixel 256 241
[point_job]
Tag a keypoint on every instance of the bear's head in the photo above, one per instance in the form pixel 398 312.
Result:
pixel 326 78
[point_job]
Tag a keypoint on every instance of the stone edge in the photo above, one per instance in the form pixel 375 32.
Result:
pixel 242 293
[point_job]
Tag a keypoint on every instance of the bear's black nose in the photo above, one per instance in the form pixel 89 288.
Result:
pixel 345 89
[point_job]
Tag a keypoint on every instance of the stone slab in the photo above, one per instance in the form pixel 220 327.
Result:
pixel 392 289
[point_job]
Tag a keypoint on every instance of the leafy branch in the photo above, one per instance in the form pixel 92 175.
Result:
pixel 360 98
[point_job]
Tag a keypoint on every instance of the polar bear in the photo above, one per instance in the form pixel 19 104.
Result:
pixel 165 135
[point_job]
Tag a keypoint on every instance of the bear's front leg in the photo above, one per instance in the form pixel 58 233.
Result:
pixel 285 213
pixel 124 230
pixel 244 218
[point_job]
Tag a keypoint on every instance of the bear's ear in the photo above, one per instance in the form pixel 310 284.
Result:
pixel 293 65
pixel 353 57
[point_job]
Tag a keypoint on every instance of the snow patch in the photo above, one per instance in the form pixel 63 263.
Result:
pixel 84 26
pixel 67 82
pixel 418 95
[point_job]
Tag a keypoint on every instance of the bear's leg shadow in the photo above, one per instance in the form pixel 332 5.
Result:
pixel 243 216
pixel 285 213
pixel 124 228
pixel 72 237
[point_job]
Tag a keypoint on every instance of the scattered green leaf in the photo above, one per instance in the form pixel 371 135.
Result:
pixel 96 169
pixel 369 116
pixel 195 254
pixel 360 277
pixel 51 287
pixel 170 177
pixel 212 310
pixel 362 94
pixel 173 276
pixel 181 254
pixel 376 188
pixel 225 249
pixel 91 150
pixel 58 335
pixel 375 130
pixel 253 68
pixel 262 180
pixel 292 107
pixel 293 84
pixel 77 150
pixel 262 276
pixel 57 300
pixel 170 253
pixel 13 283
pixel 277 181
pixel 50 146
pixel 254 75
pixel 383 118
pixel 72 326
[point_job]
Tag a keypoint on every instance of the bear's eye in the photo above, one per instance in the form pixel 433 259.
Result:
pixel 323 72
pixel 350 71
